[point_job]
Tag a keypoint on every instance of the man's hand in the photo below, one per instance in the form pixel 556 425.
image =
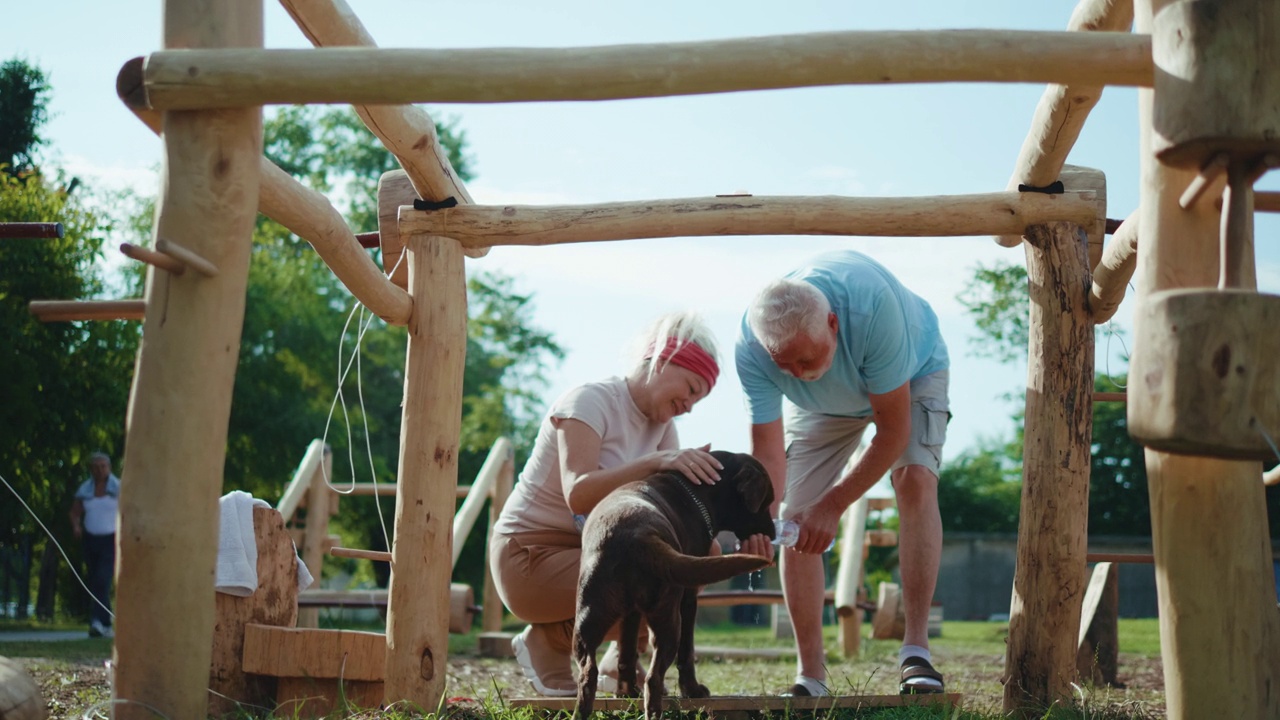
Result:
pixel 758 544
pixel 818 526
pixel 77 531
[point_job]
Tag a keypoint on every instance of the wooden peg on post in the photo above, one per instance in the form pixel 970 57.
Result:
pixel 152 258
pixel 67 310
pixel 187 257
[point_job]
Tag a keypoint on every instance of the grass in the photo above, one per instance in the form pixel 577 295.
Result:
pixel 971 654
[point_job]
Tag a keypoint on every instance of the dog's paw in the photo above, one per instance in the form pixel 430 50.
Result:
pixel 696 691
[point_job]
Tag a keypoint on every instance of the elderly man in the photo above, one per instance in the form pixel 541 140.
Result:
pixel 93 520
pixel 848 346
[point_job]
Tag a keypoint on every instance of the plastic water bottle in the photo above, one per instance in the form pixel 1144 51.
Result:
pixel 787 532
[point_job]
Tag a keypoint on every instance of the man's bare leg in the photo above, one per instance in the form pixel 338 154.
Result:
pixel 919 554
pixel 803 586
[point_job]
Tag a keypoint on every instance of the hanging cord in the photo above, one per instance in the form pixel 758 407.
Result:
pixel 340 398
pixel 1112 332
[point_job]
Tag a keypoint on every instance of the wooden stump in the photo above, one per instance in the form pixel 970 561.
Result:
pixel 890 621
pixel 275 602
pixel 19 697
pixel 495 644
pixel 1098 652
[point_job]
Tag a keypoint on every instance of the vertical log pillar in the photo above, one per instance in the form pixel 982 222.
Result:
pixel 491 621
pixel 1208 516
pixel 181 397
pixel 418 606
pixel 853 538
pixel 1049 580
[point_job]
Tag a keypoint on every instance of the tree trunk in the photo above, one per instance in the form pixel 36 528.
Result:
pixel 47 593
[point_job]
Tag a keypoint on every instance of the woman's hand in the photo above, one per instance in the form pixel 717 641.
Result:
pixel 758 544
pixel 697 464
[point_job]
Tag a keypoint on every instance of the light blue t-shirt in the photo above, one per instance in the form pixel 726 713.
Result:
pixel 888 336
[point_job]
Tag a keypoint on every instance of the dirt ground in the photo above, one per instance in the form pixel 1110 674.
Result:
pixel 71 689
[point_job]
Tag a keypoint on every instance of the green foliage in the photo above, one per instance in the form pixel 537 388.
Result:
pixel 980 491
pixel 996 299
pixel 24 99
pixel 1118 499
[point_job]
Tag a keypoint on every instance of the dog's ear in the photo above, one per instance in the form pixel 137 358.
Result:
pixel 754 484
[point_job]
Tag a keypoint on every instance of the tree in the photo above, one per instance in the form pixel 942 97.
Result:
pixel 24 101
pixel 66 384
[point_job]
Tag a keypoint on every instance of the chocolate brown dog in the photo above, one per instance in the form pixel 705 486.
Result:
pixel 644 555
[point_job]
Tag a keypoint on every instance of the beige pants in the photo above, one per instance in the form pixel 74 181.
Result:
pixel 819 447
pixel 536 575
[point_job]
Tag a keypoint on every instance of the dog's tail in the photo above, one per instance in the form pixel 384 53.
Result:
pixel 693 571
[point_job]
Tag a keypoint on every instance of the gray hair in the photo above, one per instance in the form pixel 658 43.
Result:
pixel 99 456
pixel 786 309
pixel 684 327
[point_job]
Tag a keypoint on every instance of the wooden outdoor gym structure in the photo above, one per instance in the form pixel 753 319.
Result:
pixel 1202 396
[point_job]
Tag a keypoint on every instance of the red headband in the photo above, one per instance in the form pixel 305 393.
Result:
pixel 690 356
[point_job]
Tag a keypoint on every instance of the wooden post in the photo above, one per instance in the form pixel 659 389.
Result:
pixel 849 577
pixel 316 531
pixel 418 607
pixel 1050 576
pixel 491 620
pixel 1208 516
pixel 181 397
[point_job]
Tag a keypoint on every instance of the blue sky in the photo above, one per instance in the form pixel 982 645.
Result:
pixel 899 140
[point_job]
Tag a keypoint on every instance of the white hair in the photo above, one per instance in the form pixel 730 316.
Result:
pixel 99 456
pixel 786 309
pixel 684 327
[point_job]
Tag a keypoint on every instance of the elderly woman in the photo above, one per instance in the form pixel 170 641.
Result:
pixel 596 438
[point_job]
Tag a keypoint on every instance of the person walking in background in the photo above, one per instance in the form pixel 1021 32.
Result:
pixel 848 346
pixel 594 439
pixel 93 521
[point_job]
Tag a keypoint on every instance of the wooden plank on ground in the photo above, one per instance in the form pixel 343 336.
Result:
pixel 758 703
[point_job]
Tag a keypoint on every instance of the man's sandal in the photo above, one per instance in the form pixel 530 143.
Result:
pixel 916 676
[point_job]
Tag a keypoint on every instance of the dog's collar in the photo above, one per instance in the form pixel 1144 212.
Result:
pixel 706 516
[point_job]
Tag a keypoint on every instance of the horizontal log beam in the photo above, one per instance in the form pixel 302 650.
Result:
pixel 66 310
pixel 195 79
pixel 1120 557
pixel 1266 201
pixel 942 216
pixel 309 215
pixel 1110 397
